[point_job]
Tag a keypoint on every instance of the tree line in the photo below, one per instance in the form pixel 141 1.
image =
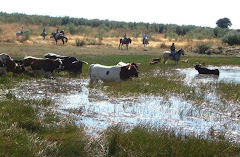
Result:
pixel 104 27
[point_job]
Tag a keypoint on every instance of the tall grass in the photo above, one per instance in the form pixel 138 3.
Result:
pixel 147 141
pixel 25 133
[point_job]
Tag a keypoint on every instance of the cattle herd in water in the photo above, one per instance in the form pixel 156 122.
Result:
pixel 52 62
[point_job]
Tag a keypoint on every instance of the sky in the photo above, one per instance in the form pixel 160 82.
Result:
pixel 203 13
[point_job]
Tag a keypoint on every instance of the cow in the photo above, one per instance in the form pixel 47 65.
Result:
pixel 155 61
pixel 111 73
pixel 206 70
pixel 10 65
pixel 185 61
pixel 126 64
pixel 47 66
pixel 70 63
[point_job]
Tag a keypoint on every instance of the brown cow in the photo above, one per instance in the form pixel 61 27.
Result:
pixel 10 65
pixel 47 66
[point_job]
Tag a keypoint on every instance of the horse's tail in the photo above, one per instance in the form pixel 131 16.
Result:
pixel 120 41
pixel 66 39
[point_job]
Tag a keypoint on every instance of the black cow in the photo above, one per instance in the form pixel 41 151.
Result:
pixel 70 64
pixel 206 70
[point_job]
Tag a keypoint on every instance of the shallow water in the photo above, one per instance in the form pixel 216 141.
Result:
pixel 97 111
pixel 227 74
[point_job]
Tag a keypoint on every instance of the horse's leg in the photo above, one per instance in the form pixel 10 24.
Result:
pixel 56 41
pixel 63 41
pixel 127 46
pixel 165 59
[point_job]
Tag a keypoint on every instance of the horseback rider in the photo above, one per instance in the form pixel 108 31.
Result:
pixel 57 33
pixel 44 30
pixel 124 37
pixel 144 37
pixel 172 48
pixel 22 30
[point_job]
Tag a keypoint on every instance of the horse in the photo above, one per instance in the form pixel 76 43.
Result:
pixel 44 34
pixel 176 57
pixel 145 42
pixel 21 33
pixel 127 41
pixel 60 36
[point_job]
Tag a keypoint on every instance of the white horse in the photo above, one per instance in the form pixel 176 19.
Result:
pixel 176 58
pixel 145 41
pixel 44 34
pixel 21 33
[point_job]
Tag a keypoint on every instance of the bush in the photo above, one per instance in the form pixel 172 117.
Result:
pixel 203 48
pixel 80 42
pixel 232 38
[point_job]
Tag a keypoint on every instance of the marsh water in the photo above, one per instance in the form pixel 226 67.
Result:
pixel 97 111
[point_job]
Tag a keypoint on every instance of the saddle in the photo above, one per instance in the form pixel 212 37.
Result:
pixel 172 56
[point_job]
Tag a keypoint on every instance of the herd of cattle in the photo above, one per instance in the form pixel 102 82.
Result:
pixel 51 62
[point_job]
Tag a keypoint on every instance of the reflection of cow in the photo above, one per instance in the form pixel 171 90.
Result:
pixel 206 70
pixel 10 65
pixel 111 73
pixel 70 64
pixel 46 66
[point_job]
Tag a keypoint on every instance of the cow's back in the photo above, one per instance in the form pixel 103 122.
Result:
pixel 104 73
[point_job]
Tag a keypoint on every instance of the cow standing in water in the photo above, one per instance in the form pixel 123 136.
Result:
pixel 206 70
pixel 45 66
pixel 70 64
pixel 111 73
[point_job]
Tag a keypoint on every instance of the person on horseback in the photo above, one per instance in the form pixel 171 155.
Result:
pixel 172 48
pixel 44 30
pixel 22 30
pixel 144 37
pixel 124 37
pixel 57 33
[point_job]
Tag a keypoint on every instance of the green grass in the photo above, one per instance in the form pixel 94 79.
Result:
pixel 147 141
pixel 25 133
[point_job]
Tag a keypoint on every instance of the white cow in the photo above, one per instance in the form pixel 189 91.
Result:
pixel 111 73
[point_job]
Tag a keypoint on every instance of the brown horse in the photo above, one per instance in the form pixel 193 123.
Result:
pixel 126 41
pixel 60 37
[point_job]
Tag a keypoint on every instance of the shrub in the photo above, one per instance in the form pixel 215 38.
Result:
pixel 203 48
pixel 80 42
pixel 232 38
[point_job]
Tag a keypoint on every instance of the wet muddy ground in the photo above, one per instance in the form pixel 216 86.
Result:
pixel 97 111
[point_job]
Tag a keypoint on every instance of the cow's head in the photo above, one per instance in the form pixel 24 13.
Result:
pixel 197 66
pixel 128 72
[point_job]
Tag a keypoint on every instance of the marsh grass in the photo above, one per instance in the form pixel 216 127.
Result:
pixel 24 133
pixel 147 141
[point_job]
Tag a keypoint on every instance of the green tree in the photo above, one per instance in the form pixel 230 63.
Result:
pixel 224 23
